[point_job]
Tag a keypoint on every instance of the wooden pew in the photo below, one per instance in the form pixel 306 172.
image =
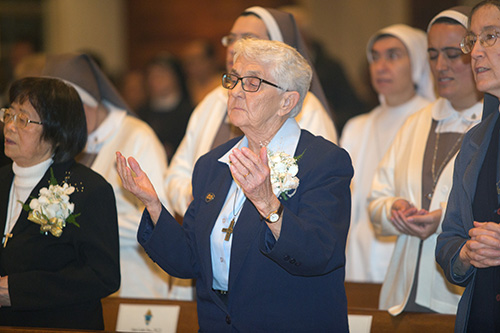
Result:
pixel 362 299
pixel 188 317
pixel 362 295
pixel 409 322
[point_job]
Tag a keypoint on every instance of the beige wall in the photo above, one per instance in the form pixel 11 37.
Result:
pixel 96 25
pixel 345 27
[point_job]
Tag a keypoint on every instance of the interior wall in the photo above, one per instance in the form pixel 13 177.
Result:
pixel 128 32
pixel 92 25
pixel 345 27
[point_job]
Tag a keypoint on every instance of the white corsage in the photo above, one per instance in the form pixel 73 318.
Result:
pixel 284 169
pixel 52 209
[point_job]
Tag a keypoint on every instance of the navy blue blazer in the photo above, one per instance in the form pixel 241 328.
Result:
pixel 459 218
pixel 58 282
pixel 293 284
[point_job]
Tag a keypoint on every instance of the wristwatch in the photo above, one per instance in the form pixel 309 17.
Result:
pixel 274 216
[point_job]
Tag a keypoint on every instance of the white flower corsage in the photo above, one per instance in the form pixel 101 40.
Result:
pixel 284 169
pixel 52 209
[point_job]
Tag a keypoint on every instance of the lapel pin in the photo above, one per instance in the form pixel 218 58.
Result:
pixel 209 197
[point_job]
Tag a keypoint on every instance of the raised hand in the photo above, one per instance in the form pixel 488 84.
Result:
pixel 138 184
pixel 253 174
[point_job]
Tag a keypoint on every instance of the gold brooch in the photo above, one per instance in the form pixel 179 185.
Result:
pixel 209 197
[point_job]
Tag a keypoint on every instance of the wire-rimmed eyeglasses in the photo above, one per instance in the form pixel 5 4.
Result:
pixel 248 83
pixel 21 120
pixel 487 38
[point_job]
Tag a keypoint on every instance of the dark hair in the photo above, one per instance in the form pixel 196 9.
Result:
pixel 447 20
pixel 61 112
pixel 495 3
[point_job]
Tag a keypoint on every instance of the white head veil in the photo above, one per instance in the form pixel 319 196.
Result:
pixel 459 13
pixel 415 41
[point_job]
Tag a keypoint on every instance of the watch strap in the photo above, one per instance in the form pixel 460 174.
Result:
pixel 279 211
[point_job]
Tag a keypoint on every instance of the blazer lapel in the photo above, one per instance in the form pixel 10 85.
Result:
pixel 5 184
pixel 478 147
pixel 246 230
pixel 211 205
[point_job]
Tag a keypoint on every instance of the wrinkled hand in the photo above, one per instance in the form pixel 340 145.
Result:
pixel 483 249
pixel 139 185
pixel 253 174
pixel 409 220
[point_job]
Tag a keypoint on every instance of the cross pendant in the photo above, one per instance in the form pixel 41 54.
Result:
pixel 228 230
pixel 7 236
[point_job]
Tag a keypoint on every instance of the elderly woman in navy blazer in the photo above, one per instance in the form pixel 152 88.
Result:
pixel 265 234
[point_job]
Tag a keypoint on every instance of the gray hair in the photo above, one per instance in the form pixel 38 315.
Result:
pixel 287 66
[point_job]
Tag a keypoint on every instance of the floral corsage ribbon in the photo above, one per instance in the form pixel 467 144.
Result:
pixel 284 169
pixel 52 209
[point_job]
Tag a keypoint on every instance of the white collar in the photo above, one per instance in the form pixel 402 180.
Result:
pixel 451 120
pixel 285 140
pixel 30 176
pixel 107 129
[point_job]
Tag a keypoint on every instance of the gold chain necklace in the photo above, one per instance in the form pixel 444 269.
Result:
pixel 451 152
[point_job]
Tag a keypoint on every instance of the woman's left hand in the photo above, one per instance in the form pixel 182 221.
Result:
pixel 253 174
pixel 422 224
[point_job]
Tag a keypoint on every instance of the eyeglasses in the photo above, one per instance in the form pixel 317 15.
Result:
pixel 487 38
pixel 248 83
pixel 21 120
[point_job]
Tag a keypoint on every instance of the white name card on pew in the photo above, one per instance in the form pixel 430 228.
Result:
pixel 147 318
pixel 359 323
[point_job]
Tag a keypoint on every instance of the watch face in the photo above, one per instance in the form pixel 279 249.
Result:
pixel 274 217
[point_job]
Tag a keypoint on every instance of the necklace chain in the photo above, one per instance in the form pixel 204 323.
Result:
pixel 234 204
pixel 229 230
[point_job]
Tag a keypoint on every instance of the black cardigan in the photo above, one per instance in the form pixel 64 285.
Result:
pixel 59 282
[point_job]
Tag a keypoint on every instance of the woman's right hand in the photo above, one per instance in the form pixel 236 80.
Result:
pixel 139 185
pixel 482 250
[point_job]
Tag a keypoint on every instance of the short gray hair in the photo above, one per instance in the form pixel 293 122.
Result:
pixel 288 67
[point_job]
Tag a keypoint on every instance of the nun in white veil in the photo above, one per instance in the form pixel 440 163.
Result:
pixel 368 136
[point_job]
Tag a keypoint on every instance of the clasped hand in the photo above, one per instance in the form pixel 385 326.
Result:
pixel 407 219
pixel 483 248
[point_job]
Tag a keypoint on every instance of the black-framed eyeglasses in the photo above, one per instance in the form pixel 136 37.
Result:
pixel 487 38
pixel 248 83
pixel 21 120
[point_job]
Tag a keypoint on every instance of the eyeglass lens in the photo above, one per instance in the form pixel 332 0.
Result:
pixel 250 84
pixel 486 38
pixel 20 119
